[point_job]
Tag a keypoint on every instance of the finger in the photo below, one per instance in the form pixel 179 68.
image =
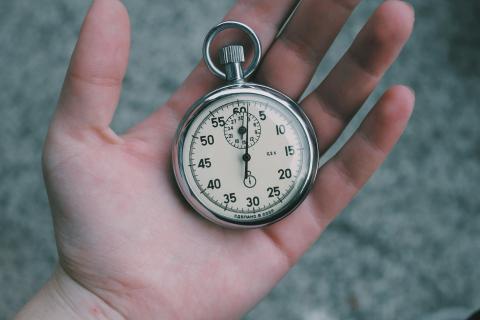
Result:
pixel 343 176
pixel 265 17
pixel 93 83
pixel 340 95
pixel 291 61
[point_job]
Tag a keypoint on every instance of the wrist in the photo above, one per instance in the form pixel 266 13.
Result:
pixel 63 298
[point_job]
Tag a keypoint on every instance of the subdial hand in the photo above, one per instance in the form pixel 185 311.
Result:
pixel 242 130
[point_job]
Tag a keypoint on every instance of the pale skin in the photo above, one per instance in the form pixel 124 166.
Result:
pixel 129 245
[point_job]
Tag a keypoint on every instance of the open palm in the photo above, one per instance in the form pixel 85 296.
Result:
pixel 124 232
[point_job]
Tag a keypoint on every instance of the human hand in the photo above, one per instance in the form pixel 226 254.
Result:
pixel 129 245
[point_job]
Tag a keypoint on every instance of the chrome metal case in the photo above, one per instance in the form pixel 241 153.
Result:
pixel 220 93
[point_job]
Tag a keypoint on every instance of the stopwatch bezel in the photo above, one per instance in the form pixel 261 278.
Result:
pixel 220 93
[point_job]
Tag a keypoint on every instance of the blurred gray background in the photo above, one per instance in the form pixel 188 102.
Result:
pixel 407 246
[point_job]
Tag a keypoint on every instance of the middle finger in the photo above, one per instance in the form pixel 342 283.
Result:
pixel 289 64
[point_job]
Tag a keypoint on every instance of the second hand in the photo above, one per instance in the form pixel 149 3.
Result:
pixel 246 156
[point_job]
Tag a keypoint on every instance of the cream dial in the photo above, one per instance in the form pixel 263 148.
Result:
pixel 245 157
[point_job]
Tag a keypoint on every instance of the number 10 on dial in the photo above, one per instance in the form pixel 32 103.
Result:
pixel 245 155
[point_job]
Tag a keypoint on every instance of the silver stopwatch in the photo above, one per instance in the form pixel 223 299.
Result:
pixel 245 155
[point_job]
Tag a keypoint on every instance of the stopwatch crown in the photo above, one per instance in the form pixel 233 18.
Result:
pixel 231 54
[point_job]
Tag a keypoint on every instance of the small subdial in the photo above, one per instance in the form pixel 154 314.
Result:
pixel 239 127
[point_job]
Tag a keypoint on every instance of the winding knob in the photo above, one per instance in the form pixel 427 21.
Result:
pixel 231 54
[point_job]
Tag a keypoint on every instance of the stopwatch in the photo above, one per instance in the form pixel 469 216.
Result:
pixel 245 155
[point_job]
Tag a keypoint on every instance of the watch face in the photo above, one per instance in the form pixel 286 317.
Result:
pixel 246 158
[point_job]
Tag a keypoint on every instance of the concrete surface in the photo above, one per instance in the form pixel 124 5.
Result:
pixel 407 246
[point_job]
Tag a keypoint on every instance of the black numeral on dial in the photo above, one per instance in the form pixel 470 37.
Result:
pixel 239 110
pixel 205 140
pixel 255 201
pixel 205 163
pixel 262 115
pixel 214 184
pixel 273 192
pixel 285 174
pixel 289 151
pixel 280 129
pixel 220 121
pixel 230 197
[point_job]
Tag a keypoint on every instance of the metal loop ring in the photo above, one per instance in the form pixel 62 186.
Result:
pixel 231 25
